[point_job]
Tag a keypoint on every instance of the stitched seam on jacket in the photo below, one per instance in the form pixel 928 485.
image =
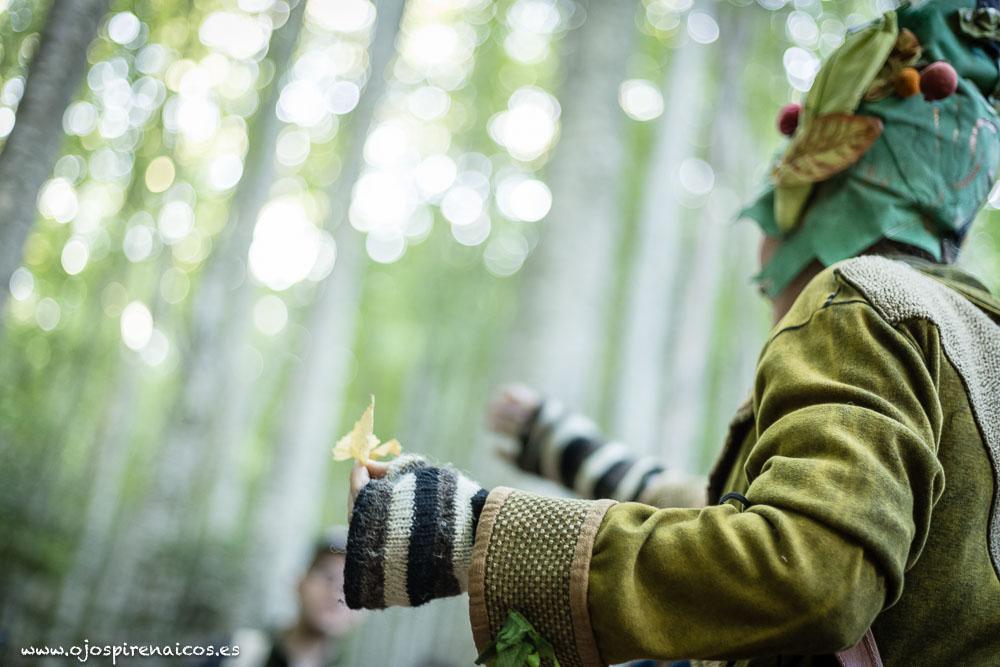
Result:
pixel 823 308
pixel 478 608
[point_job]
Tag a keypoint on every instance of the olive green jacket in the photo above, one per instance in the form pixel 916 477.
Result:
pixel 867 469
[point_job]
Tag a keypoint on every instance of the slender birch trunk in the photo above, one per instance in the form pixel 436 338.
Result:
pixel 224 316
pixel 443 416
pixel 651 315
pixel 33 145
pixel 558 338
pixel 221 321
pixel 742 316
pixel 684 425
pixel 98 520
pixel 290 503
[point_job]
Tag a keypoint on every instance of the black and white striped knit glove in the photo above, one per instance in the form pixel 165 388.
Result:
pixel 411 535
pixel 568 448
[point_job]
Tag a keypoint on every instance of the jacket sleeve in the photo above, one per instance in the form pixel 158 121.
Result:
pixel 843 478
pixel 567 448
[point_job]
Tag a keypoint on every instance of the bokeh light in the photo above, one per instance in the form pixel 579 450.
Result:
pixel 528 127
pixel 702 28
pixel 286 244
pixel 136 325
pixel 270 315
pixel 640 99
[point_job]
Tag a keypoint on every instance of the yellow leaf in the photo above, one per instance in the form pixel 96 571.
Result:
pixel 361 444
pixel 390 448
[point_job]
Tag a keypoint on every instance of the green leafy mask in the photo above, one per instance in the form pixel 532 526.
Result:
pixel 924 174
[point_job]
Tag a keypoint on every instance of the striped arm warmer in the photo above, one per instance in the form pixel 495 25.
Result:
pixel 411 535
pixel 566 447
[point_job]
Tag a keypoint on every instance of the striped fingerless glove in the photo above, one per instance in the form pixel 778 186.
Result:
pixel 411 536
pixel 566 447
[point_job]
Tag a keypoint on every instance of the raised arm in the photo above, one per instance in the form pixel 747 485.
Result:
pixel 566 447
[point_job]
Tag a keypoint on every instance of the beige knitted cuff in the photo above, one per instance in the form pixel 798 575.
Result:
pixel 532 555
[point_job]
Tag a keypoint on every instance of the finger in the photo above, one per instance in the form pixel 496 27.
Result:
pixel 376 469
pixel 497 417
pixel 522 394
pixel 359 477
pixel 505 454
pixel 513 392
pixel 497 406
pixel 505 410
pixel 497 421
pixel 509 410
pixel 505 394
pixel 500 425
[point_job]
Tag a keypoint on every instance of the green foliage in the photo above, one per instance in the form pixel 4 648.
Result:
pixel 518 644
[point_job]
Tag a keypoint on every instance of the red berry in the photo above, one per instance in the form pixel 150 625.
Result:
pixel 938 81
pixel 788 118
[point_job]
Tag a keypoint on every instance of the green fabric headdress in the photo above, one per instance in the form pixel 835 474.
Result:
pixel 871 159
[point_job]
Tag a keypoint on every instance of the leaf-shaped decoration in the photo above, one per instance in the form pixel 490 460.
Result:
pixel 907 50
pixel 361 444
pixel 905 53
pixel 980 23
pixel 882 86
pixel 831 144
pixel 518 644
pixel 839 87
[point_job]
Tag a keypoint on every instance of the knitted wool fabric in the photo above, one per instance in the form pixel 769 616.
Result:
pixel 533 555
pixel 411 536
pixel 568 448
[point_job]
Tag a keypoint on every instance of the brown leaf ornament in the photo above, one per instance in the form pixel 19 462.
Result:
pixel 831 144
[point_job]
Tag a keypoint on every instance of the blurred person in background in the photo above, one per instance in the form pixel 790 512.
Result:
pixel 852 517
pixel 322 624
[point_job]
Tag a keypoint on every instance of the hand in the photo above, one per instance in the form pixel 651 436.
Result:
pixel 511 409
pixel 374 541
pixel 360 476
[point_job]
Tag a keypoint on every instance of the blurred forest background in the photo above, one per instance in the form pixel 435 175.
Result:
pixel 225 223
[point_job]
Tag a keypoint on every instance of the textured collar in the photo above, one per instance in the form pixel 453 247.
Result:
pixel 957 279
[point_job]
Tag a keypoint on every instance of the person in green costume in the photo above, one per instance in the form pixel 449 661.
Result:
pixel 853 516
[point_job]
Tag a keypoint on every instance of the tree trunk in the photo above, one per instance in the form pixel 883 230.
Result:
pixel 220 327
pixel 683 425
pixel 742 317
pixel 290 503
pixel 557 341
pixel 223 318
pixel 33 145
pixel 656 266
pixel 102 503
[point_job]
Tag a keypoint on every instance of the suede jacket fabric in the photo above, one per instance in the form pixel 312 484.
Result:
pixel 865 471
